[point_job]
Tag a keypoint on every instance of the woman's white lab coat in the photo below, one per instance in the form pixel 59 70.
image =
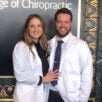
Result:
pixel 27 69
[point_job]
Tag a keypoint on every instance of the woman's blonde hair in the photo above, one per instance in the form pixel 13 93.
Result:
pixel 29 40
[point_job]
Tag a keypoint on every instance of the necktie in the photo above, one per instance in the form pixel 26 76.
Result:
pixel 57 59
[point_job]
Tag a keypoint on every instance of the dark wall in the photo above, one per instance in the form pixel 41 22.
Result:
pixel 12 17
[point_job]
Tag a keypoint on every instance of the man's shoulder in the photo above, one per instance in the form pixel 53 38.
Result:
pixel 52 40
pixel 78 42
pixel 76 39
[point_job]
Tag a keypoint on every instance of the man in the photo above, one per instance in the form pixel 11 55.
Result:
pixel 74 84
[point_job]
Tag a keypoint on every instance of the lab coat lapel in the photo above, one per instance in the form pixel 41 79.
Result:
pixel 52 52
pixel 65 49
pixel 36 56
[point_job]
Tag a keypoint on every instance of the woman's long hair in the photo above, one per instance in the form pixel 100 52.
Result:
pixel 29 40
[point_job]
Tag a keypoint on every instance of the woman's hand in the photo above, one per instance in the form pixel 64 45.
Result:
pixel 51 76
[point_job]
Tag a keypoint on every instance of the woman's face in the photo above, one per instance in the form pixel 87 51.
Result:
pixel 35 28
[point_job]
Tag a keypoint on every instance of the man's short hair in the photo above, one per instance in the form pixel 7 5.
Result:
pixel 63 11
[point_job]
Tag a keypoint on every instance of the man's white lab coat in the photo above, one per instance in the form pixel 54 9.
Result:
pixel 76 70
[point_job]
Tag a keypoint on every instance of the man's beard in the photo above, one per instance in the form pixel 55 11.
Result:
pixel 60 35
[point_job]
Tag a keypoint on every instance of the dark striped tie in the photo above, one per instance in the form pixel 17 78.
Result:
pixel 57 59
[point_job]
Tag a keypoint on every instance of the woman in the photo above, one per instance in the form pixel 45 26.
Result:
pixel 30 63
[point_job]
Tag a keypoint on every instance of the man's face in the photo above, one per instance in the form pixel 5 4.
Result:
pixel 63 24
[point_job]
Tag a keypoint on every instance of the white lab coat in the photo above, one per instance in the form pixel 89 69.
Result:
pixel 27 69
pixel 76 70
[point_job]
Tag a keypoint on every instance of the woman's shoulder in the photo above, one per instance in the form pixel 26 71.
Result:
pixel 21 46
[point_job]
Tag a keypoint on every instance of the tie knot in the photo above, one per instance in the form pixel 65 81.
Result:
pixel 60 42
